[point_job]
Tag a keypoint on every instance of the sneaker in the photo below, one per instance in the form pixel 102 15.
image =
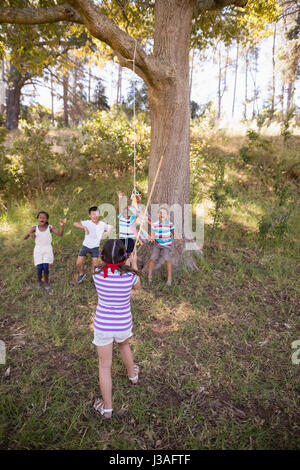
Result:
pixel 169 283
pixel 80 278
pixel 47 287
pixel 38 286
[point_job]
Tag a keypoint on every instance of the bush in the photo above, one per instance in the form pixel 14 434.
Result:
pixel 274 226
pixel 255 149
pixel 110 142
pixel 28 163
pixel 219 195
pixel 287 126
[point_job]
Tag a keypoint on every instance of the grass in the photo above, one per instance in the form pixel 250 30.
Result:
pixel 214 349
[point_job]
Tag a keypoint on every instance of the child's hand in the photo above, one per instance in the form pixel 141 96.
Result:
pixel 61 222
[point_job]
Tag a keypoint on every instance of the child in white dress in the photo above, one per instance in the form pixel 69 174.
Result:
pixel 43 252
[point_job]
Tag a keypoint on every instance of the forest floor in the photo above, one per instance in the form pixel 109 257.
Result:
pixel 215 349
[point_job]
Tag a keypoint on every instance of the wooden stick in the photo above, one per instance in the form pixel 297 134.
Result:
pixel 149 199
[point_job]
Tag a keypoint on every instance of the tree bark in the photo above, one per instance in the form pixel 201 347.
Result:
pixel 16 81
pixel 246 84
pixel 119 85
pixel 2 87
pixel 170 109
pixel 290 95
pixel 273 74
pixel 52 98
pixel 169 104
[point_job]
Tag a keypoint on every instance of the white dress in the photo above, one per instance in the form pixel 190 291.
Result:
pixel 43 252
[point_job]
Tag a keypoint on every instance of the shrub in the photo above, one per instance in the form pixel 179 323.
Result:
pixel 28 163
pixel 274 226
pixel 110 142
pixel 219 194
pixel 257 148
pixel 287 125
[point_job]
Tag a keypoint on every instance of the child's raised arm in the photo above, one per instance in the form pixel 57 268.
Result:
pixel 30 233
pixel 61 231
pixel 105 234
pixel 79 225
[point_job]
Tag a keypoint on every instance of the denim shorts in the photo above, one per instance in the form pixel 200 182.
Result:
pixel 93 251
pixel 102 338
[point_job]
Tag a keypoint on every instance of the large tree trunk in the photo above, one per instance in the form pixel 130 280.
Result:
pixel 16 81
pixel 170 111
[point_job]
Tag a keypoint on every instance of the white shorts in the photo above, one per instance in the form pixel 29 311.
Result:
pixel 42 256
pixel 102 338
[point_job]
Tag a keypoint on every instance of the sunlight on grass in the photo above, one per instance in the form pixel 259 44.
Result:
pixel 214 348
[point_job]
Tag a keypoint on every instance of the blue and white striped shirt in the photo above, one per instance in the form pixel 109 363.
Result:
pixel 161 231
pixel 125 230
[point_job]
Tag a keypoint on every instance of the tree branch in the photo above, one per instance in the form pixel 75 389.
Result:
pixel 103 28
pixel 204 5
pixel 85 12
pixel 39 15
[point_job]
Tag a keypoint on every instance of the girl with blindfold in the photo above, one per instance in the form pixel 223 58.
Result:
pixel 114 282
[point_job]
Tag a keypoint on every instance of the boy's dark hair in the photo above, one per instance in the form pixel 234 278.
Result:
pixel 114 251
pixel 43 212
pixel 93 209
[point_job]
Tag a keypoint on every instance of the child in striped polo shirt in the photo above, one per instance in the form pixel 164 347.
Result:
pixel 113 320
pixel 127 236
pixel 161 234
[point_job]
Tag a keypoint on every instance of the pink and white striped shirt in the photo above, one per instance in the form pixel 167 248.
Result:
pixel 113 311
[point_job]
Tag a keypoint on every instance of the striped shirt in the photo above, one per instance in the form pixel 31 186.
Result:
pixel 113 311
pixel 161 231
pixel 125 229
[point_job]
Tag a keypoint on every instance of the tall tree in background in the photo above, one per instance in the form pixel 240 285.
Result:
pixel 289 56
pixel 223 64
pixel 100 100
pixel 253 54
pixel 246 55
pixel 236 66
pixel 165 70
